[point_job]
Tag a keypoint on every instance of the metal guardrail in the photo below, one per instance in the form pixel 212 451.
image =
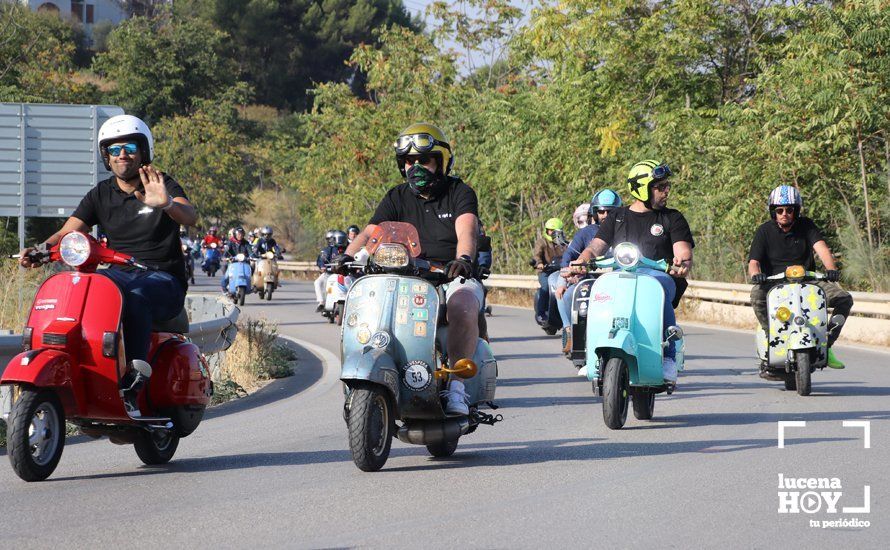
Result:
pixel 865 303
pixel 213 331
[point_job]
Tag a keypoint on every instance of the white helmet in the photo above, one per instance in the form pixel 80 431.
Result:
pixel 580 216
pixel 123 127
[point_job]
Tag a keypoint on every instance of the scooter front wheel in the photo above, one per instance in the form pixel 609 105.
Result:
pixel 156 447
pixel 36 436
pixel 615 384
pixel 803 374
pixel 370 428
pixel 268 294
pixel 239 296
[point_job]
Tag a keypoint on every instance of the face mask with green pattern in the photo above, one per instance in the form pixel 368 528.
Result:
pixel 421 180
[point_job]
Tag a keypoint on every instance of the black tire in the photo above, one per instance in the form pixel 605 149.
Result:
pixel 330 316
pixel 261 293
pixel 550 331
pixel 37 408
pixel 192 280
pixel 239 295
pixel 370 428
pixel 156 447
pixel 790 382
pixel 269 295
pixel 213 273
pixel 644 404
pixel 443 449
pixel 615 396
pixel 803 378
pixel 338 314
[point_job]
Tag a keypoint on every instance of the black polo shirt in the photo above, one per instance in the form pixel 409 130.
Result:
pixel 776 249
pixel 655 231
pixel 433 218
pixel 148 234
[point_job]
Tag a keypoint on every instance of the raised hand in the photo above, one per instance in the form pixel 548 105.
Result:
pixel 154 191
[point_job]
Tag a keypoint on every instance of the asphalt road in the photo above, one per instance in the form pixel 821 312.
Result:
pixel 274 469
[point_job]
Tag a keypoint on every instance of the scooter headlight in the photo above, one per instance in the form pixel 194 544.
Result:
pixel 75 248
pixel 783 314
pixel 269 255
pixel 391 255
pixel 239 258
pixel 627 255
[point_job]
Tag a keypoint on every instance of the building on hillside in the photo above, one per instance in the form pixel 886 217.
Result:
pixel 87 12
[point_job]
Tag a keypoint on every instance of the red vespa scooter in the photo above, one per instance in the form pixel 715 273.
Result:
pixel 73 362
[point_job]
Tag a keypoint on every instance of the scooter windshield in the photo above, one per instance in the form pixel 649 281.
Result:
pixel 395 232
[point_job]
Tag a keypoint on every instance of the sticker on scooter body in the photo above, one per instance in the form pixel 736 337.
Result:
pixel 417 375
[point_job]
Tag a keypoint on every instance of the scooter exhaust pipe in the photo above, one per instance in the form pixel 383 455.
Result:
pixel 430 432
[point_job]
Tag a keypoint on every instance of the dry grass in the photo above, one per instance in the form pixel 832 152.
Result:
pixel 254 358
pixel 17 289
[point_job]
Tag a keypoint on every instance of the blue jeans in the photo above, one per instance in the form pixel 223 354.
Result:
pixel 668 317
pixel 149 296
pixel 564 305
pixel 543 301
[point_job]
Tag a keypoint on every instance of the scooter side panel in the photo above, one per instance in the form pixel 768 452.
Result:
pixel 481 387
pixel 648 328
pixel 179 374
pixel 100 374
pixel 406 309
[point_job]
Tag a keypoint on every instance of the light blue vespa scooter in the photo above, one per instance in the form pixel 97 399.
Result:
pixel 239 274
pixel 393 356
pixel 625 344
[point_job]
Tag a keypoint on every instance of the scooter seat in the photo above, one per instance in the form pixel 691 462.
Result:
pixel 178 324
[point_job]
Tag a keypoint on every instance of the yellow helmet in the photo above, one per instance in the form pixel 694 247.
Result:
pixel 642 174
pixel 423 138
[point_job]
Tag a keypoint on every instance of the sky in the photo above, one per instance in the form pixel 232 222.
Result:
pixel 419 6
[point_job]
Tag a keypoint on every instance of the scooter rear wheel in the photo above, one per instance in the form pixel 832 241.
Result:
pixel 615 397
pixel 802 376
pixel 370 428
pixel 36 436
pixel 644 404
pixel 155 447
pixel 268 295
pixel 443 449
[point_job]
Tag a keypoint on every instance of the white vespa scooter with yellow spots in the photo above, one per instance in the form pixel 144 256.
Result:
pixel 393 353
pixel 798 329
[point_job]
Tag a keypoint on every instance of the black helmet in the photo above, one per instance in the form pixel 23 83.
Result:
pixel 338 238
pixel 354 228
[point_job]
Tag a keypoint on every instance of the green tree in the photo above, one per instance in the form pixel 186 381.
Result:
pixel 159 67
pixel 284 47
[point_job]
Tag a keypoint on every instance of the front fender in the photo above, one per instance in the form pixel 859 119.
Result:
pixel 621 344
pixel 41 368
pixel 371 365
pixel 802 338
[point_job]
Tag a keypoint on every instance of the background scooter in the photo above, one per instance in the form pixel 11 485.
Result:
pixel 238 274
pixel 798 329
pixel 212 259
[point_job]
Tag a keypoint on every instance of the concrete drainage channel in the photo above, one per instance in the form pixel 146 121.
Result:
pixel 212 327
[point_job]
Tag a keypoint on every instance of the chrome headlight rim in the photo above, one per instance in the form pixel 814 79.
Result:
pixel 75 249
pixel 627 255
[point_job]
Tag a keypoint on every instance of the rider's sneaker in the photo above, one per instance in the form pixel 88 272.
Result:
pixel 583 371
pixel 833 362
pixel 130 404
pixel 320 308
pixel 566 341
pixel 669 366
pixel 457 402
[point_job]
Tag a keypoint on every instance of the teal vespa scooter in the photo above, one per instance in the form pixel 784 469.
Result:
pixel 624 341
pixel 393 353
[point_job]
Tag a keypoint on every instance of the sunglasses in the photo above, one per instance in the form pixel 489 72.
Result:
pixel 782 210
pixel 130 148
pixel 422 143
pixel 602 211
pixel 661 186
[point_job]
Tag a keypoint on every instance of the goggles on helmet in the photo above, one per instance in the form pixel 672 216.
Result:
pixel 423 143
pixel 660 172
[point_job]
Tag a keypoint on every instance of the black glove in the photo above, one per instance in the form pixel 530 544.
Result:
pixel 832 275
pixel 461 267
pixel 758 278
pixel 340 261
